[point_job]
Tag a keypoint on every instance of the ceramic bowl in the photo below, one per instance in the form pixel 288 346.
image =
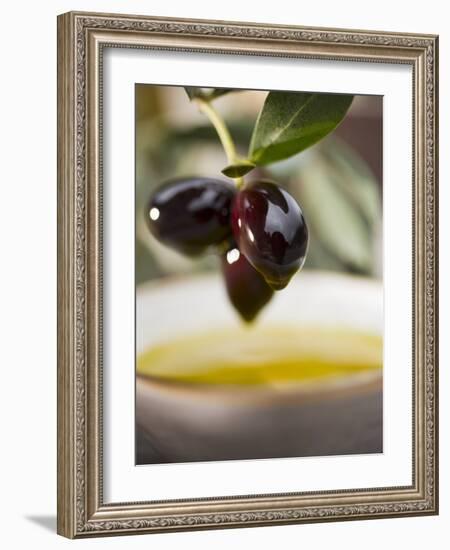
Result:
pixel 179 422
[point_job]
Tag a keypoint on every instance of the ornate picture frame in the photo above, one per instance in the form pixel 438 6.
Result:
pixel 82 38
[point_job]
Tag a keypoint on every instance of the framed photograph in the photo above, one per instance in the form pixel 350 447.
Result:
pixel 247 274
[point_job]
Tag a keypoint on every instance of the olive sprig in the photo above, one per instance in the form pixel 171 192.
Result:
pixel 288 123
pixel 257 227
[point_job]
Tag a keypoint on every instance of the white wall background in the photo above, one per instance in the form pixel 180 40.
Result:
pixel 28 273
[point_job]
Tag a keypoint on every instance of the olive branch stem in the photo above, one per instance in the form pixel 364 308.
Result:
pixel 226 140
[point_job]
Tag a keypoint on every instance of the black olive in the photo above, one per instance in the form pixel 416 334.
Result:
pixel 270 230
pixel 191 215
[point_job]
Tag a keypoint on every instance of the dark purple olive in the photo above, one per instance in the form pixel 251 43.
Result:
pixel 191 215
pixel 270 230
pixel 246 288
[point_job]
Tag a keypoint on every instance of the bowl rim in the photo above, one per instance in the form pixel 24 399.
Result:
pixel 341 385
pixel 175 278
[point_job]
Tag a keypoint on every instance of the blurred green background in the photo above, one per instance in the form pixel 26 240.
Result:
pixel 338 182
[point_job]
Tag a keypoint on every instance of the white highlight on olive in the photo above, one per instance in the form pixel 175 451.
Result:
pixel 233 256
pixel 250 235
pixel 239 223
pixel 154 214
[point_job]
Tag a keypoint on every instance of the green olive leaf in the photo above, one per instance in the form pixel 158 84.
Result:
pixel 290 122
pixel 238 168
pixel 206 93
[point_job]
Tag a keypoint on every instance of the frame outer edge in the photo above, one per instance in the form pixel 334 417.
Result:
pixel 66 523
pixel 435 213
pixel 78 492
pixel 436 315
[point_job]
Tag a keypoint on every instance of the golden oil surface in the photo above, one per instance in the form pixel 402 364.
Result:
pixel 266 355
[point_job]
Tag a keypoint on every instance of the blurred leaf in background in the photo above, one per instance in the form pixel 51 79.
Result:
pixel 341 202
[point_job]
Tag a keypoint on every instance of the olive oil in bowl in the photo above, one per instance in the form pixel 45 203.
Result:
pixel 263 357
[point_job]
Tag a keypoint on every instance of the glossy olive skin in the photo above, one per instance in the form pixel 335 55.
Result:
pixel 246 287
pixel 192 214
pixel 270 230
